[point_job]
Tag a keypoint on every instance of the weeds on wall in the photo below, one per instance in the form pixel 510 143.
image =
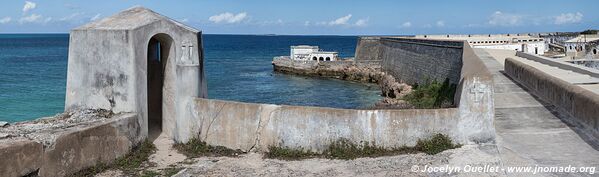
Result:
pixel 197 148
pixel 346 150
pixel 129 164
pixel 432 95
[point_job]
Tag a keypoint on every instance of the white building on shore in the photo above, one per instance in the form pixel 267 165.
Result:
pixel 518 42
pixel 306 53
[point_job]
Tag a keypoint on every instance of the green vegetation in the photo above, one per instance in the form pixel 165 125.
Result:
pixel 171 171
pixel 431 95
pixel 346 150
pixel 275 152
pixel 128 164
pixel 149 174
pixel 197 148
pixel 437 143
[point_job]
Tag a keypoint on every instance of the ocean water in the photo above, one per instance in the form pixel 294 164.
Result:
pixel 238 67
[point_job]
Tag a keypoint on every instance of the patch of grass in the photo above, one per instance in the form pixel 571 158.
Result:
pixel 197 148
pixel 432 95
pixel 146 173
pixel 129 163
pixel 171 171
pixel 134 160
pixel 346 150
pixel 436 144
pixel 275 152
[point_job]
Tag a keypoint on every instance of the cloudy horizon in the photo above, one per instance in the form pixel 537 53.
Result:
pixel 315 18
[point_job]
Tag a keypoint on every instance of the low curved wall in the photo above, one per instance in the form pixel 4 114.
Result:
pixel 580 103
pixel 249 126
pixel 69 150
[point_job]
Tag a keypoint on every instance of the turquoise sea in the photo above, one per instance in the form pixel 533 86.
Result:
pixel 238 67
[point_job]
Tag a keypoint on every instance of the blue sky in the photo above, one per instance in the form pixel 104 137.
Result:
pixel 313 17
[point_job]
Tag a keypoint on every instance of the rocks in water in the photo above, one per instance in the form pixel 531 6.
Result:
pixel 391 89
pixel 4 124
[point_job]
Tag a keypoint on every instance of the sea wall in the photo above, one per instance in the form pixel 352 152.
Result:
pixel 62 151
pixel 578 102
pixel 414 61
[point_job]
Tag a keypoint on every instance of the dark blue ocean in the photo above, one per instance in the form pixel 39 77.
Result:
pixel 33 73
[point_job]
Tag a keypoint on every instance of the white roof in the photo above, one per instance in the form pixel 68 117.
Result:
pixel 304 47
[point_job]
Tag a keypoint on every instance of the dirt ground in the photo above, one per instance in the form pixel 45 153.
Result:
pixel 253 164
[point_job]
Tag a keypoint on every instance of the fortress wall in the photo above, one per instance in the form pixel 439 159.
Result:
pixel 475 100
pixel 578 102
pixel 60 152
pixel 253 126
pixel 414 60
pixel 369 49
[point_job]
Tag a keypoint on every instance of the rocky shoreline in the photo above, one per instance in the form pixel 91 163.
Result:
pixel 391 89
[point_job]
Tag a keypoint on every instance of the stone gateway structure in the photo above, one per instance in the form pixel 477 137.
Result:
pixel 137 61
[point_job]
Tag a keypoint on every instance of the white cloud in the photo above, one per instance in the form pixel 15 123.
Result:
pixel 307 23
pixel 30 18
pixel 185 20
pixel 228 17
pixel 28 6
pixel 48 20
pixel 341 20
pixel 503 19
pixel 440 23
pixel 568 18
pixel 70 17
pixel 5 20
pixel 406 25
pixel 361 22
pixel 95 17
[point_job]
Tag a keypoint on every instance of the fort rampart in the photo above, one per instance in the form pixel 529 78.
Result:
pixel 574 100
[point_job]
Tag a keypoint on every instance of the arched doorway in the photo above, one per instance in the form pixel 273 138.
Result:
pixel 160 53
pixel 328 59
pixel 314 58
pixel 321 59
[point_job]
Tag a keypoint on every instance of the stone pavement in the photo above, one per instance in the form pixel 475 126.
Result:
pixel 531 132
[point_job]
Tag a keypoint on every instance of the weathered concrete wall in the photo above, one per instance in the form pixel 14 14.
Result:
pixel 60 152
pixel 20 156
pixel 560 64
pixel 475 100
pixel 251 126
pixel 414 60
pixel 580 103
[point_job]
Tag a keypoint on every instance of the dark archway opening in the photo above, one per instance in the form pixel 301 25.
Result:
pixel 314 58
pixel 158 53
pixel 328 59
pixel 321 59
pixel 595 51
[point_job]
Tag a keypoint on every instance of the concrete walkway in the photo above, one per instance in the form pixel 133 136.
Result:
pixel 529 131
